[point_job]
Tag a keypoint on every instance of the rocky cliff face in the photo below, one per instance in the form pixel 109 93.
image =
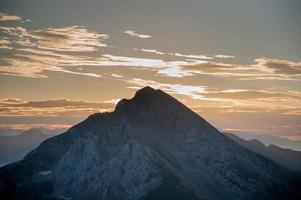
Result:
pixel 150 147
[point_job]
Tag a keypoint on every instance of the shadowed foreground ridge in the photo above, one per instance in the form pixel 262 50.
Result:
pixel 150 147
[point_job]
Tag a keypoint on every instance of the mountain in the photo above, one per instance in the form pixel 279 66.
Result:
pixel 13 148
pixel 269 139
pixel 151 147
pixel 285 157
pixel 10 132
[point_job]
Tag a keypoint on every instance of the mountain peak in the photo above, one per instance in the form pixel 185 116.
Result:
pixel 155 105
pixel 143 98
pixel 148 92
pixel 33 131
pixel 147 89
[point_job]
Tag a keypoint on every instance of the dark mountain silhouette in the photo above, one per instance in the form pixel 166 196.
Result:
pixel 285 157
pixel 150 147
pixel 13 148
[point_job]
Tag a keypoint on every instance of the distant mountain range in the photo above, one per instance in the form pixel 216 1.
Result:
pixel 151 147
pixel 285 157
pixel 269 139
pixel 16 146
pixel 10 132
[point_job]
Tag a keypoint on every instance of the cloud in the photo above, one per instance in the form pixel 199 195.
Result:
pixel 223 56
pixel 133 61
pixel 79 73
pixel 50 49
pixel 190 56
pixel 150 51
pixel 57 113
pixel 134 34
pixel 263 69
pixel 70 39
pixel 32 63
pixel 5 43
pixel 17 102
pixel 74 38
pixel 195 92
pixel 116 75
pixel 220 69
pixel 114 101
pixel 164 68
pixel 16 35
pixel 7 17
pixel 250 94
pixel 19 107
pixel 35 125
pixel 252 101
pixel 281 67
pixel 30 53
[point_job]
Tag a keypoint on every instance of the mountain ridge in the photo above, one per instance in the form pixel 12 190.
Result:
pixel 15 147
pixel 285 157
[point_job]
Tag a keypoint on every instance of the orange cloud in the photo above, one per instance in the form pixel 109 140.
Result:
pixel 264 68
pixel 18 107
pixel 7 17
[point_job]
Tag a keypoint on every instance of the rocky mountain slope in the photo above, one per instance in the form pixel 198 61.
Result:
pixel 150 147
pixel 285 157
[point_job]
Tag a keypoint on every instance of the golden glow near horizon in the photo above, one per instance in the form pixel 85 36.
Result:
pixel 57 76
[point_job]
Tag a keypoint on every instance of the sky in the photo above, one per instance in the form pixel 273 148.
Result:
pixel 237 63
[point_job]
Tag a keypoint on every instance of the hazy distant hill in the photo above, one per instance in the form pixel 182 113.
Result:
pixel 151 147
pixel 272 139
pixel 13 148
pixel 286 157
pixel 10 132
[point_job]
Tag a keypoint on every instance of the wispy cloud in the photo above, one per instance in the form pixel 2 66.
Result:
pixel 22 126
pixel 32 63
pixel 19 107
pixel 263 68
pixel 5 43
pixel 135 34
pixel 164 68
pixel 116 75
pixel 277 66
pixel 55 49
pixel 74 38
pixel 190 56
pixel 7 17
pixel 113 101
pixel 151 51
pixel 194 64
pixel 50 49
pixel 224 56
pixel 52 113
